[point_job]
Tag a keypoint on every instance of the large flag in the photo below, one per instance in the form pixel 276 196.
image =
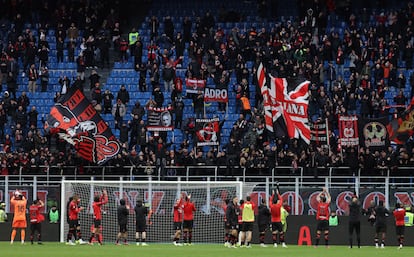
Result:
pixel 195 86
pixel 402 128
pixel 160 119
pixel 75 120
pixel 319 132
pixel 373 133
pixel 207 131
pixel 348 130
pixel 291 105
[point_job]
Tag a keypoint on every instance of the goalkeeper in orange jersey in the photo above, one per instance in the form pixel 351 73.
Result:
pixel 19 220
pixel 98 201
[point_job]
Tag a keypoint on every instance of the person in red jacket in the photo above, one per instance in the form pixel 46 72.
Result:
pixel 178 219
pixel 98 201
pixel 399 214
pixel 74 225
pixel 322 216
pixel 36 219
pixel 189 209
pixel 276 212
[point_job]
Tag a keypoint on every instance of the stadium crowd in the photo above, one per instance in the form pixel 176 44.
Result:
pixel 350 73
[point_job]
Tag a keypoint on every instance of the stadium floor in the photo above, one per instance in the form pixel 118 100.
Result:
pixel 196 250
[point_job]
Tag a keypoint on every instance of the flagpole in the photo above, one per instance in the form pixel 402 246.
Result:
pixel 327 136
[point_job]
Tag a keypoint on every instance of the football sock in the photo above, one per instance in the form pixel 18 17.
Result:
pixel 13 234
pixel 78 234
pixel 282 237
pixel 185 236
pixel 262 237
pixel 92 236
pixel 274 238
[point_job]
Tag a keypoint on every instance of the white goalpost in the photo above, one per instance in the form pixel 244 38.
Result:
pixel 159 196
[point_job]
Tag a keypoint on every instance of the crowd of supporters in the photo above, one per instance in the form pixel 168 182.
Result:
pixel 350 73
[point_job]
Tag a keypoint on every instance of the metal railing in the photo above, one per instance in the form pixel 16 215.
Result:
pixel 53 174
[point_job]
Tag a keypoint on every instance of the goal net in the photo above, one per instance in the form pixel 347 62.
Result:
pixel 160 197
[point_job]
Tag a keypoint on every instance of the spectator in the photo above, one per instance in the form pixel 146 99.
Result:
pixel 118 111
pixel 33 113
pixel 123 95
pixel 178 109
pixel 44 78
pixel 33 76
pixel 94 78
pixel 158 96
pixel 65 84
pixel 107 101
pixel 81 66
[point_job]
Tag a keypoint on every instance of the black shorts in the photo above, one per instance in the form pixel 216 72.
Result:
pixel 74 223
pixel 227 226
pixel 141 226
pixel 400 230
pixel 97 223
pixel 380 228
pixel 123 228
pixel 277 226
pixel 263 227
pixel 233 226
pixel 36 227
pixel 178 225
pixel 247 226
pixel 188 224
pixel 323 225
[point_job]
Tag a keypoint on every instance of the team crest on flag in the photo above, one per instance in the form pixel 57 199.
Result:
pixel 77 122
pixel 348 130
pixel 207 131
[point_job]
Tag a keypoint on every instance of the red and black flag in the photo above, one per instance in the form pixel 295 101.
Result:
pixel 208 131
pixel 348 130
pixel 75 120
pixel 195 86
pixel 285 103
pixel 402 128
pixel 319 132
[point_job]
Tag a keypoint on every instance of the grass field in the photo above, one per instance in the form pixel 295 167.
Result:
pixel 202 250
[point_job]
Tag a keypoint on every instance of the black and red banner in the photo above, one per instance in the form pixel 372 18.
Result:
pixel 216 95
pixel 319 132
pixel 207 131
pixel 195 86
pixel 160 119
pixel 77 122
pixel 348 130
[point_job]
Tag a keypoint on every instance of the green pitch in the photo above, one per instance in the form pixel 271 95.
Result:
pixel 197 250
